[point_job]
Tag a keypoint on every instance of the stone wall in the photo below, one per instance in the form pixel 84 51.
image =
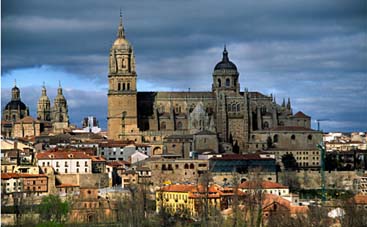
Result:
pixel 84 180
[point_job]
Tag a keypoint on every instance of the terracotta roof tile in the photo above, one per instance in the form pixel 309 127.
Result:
pixel 300 114
pixel 178 188
pixel 62 155
pixel 262 185
pixel 5 176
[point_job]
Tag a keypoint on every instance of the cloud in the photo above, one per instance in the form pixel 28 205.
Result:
pixel 312 51
pixel 80 102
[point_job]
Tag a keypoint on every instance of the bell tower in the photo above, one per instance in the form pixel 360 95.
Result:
pixel 122 94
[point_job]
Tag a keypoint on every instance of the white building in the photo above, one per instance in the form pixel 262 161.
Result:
pixel 65 162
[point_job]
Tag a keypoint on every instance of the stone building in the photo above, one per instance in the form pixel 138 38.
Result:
pixel 16 121
pixel 232 114
pixel 13 111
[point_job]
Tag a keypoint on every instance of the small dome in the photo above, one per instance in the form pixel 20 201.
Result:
pixel 225 63
pixel 15 88
pixel 14 104
pixel 120 42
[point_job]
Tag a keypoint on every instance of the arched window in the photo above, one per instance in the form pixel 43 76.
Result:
pixel 293 137
pixel 128 86
pixel 229 107
pixel 275 138
pixel 233 107
pixel 309 137
pixel 163 125
pixel 238 108
pixel 179 125
pixel 186 166
pixel 14 117
pixel 192 166
pixel 266 125
pixel 228 82
pixel 119 86
pixel 219 83
pixel 123 87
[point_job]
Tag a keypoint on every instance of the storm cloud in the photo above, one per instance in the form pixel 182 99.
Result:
pixel 312 51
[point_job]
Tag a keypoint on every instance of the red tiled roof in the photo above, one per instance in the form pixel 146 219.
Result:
pixel 27 119
pixel 360 199
pixel 6 176
pixel 300 114
pixel 117 163
pixel 62 155
pixel 98 159
pixel 261 185
pixel 178 188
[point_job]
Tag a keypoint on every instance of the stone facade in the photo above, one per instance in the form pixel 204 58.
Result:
pixel 16 121
pixel 234 116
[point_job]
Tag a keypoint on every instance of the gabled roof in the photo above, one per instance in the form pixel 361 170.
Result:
pixel 62 155
pixel 178 188
pixel 300 114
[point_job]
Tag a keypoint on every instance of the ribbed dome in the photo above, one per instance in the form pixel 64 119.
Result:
pixel 120 42
pixel 14 104
pixel 225 63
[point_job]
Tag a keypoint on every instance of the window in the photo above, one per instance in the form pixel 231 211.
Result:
pixel 293 137
pixel 77 170
pixel 163 125
pixel 228 82
pixel 43 163
pixel 57 164
pixel 179 125
pixel 86 163
pixel 309 137
pixel 238 108
pixel 77 164
pixel 66 170
pixel 192 166
pixel 123 87
pixel 128 86
pixel 86 170
pixel 219 83
pixel 119 86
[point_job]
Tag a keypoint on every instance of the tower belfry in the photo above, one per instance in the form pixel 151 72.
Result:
pixel 122 94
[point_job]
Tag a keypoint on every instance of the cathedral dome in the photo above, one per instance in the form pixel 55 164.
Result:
pixel 225 63
pixel 15 104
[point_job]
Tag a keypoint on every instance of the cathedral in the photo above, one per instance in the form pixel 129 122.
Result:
pixel 16 121
pixel 232 119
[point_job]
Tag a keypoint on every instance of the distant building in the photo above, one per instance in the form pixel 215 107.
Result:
pixel 16 121
pixel 65 162
pixel 90 124
pixel 24 183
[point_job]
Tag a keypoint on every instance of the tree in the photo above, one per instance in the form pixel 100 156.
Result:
pixel 289 162
pixel 53 209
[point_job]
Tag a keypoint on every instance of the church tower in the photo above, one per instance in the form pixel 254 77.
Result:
pixel 122 94
pixel 60 117
pixel 44 106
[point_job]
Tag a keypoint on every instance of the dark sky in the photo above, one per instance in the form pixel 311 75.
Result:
pixel 314 52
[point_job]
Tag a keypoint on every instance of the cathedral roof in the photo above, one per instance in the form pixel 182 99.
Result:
pixel 300 114
pixel 225 63
pixel 14 104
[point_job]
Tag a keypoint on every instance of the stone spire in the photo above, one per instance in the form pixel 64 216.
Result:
pixel 283 104
pixel 121 30
pixel 225 54
pixel 289 104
